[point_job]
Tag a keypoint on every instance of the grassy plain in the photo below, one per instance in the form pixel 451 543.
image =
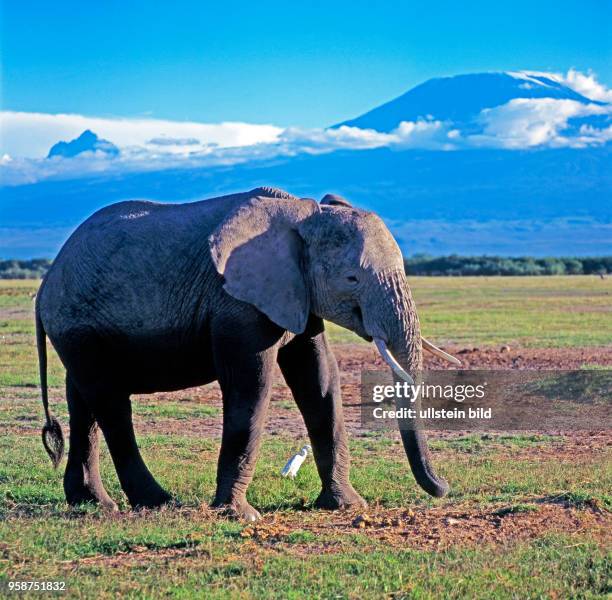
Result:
pixel 525 311
pixel 528 515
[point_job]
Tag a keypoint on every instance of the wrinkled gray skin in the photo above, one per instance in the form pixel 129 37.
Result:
pixel 148 297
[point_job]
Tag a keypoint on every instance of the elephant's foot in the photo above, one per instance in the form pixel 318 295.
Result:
pixel 87 496
pixel 79 492
pixel 340 498
pixel 151 496
pixel 237 509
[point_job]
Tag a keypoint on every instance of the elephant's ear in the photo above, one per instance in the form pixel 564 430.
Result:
pixel 259 252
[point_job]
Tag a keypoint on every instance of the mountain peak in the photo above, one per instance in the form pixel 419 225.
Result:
pixel 461 98
pixel 88 141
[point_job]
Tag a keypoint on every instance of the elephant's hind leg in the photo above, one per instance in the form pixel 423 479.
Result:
pixel 82 482
pixel 114 415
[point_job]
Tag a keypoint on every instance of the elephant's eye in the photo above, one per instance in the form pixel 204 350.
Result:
pixel 352 279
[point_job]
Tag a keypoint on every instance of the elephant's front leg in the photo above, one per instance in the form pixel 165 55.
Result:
pixel 245 380
pixel 311 371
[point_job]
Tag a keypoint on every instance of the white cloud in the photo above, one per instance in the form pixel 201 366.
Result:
pixel 170 141
pixel 587 85
pixel 150 144
pixel 18 171
pixel 152 156
pixel 432 135
pixel 32 134
pixel 531 122
pixel 409 134
pixel 324 140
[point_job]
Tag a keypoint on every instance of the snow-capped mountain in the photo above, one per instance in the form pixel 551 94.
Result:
pixel 506 163
pixel 88 141
pixel 463 98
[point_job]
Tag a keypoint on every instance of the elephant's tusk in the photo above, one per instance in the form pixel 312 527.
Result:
pixel 390 360
pixel 427 345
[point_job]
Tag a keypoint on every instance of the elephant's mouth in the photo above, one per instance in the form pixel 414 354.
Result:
pixel 358 325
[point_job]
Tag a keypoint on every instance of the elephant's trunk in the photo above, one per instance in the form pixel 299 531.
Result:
pixel 403 337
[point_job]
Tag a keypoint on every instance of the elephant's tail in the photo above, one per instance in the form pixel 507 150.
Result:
pixel 52 435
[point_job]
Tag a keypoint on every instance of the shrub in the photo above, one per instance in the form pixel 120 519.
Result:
pixel 421 264
pixel 24 269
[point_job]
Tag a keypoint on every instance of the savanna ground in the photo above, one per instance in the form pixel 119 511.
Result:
pixel 528 514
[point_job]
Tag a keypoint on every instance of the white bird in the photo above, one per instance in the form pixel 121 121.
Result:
pixel 295 462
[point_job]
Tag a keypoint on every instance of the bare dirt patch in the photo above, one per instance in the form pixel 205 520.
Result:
pixel 138 555
pixel 305 533
pixel 435 528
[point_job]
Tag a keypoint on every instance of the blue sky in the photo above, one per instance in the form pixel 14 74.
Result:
pixel 277 62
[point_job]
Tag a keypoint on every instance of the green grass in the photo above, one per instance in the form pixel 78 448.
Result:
pixel 177 410
pixel 179 553
pixel 185 553
pixel 526 311
pixel 366 570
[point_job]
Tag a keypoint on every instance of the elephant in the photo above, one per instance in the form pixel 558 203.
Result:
pixel 147 297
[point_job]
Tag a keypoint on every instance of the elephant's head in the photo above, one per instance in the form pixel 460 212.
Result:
pixel 290 258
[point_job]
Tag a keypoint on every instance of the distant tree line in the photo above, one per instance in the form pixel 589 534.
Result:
pixel 24 269
pixel 421 264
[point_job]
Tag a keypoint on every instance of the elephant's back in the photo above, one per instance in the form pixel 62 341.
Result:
pixel 138 267
pixel 131 266
pixel 143 230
